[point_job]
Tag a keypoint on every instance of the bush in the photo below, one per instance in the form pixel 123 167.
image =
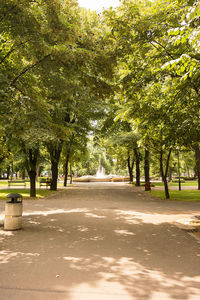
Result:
pixel 177 180
pixel 189 178
pixel 43 178
pixel 186 178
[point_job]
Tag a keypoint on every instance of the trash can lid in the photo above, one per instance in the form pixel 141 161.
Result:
pixel 14 196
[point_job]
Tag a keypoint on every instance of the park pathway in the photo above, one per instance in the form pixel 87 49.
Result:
pixel 106 241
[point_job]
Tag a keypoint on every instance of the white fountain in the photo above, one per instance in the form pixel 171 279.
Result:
pixel 100 175
pixel 101 171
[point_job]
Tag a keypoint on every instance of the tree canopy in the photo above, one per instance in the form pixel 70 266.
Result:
pixel 130 75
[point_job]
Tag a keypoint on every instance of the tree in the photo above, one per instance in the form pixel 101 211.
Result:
pixel 22 44
pixel 153 93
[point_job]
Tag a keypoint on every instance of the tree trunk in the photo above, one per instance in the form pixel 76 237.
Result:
pixel 12 171
pixel 54 172
pixel 179 173
pixel 37 171
pixel 32 176
pixel 137 157
pixel 66 167
pixel 197 158
pixel 130 168
pixel 31 168
pixel 70 173
pixel 55 152
pixel 164 173
pixel 166 188
pixel 8 172
pixel 146 169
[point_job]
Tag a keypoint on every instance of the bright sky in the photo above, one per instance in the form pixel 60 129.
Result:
pixel 98 4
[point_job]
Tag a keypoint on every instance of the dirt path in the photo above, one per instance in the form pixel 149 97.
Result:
pixel 101 242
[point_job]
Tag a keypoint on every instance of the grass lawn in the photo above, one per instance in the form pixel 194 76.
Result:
pixel 24 192
pixel 3 182
pixel 179 195
pixel 186 183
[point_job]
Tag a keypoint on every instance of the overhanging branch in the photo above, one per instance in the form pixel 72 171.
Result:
pixel 28 68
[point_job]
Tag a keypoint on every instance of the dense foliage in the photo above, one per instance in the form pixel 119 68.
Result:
pixel 131 76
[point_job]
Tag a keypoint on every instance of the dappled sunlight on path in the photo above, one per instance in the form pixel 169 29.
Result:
pixel 100 244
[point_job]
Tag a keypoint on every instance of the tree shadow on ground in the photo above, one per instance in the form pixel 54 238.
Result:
pixel 102 253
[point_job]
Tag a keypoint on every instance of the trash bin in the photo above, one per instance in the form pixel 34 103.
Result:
pixel 148 186
pixel 13 212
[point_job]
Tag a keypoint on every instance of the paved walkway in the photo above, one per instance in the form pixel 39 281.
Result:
pixel 101 242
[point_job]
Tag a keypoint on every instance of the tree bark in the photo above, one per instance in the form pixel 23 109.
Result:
pixel 146 168
pixel 66 168
pixel 31 168
pixel 32 176
pixel 12 171
pixel 8 172
pixel 137 157
pixel 70 173
pixel 130 167
pixel 197 158
pixel 164 173
pixel 55 152
pixel 37 171
pixel 54 172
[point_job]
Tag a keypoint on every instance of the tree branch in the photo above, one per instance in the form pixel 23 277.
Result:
pixel 169 54
pixel 28 68
pixel 7 12
pixel 12 50
pixel 19 90
pixel 167 163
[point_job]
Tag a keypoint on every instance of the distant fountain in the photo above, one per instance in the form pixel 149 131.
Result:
pixel 101 171
pixel 100 176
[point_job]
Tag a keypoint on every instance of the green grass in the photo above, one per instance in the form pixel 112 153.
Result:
pixel 186 183
pixel 157 183
pixel 24 192
pixel 179 195
pixel 3 182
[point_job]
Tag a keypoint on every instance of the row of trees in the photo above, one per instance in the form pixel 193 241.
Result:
pixel 135 69
pixel 156 105
pixel 53 58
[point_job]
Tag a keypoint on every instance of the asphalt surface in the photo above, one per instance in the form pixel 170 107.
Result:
pixel 101 242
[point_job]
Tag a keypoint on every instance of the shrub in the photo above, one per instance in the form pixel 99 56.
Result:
pixel 177 180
